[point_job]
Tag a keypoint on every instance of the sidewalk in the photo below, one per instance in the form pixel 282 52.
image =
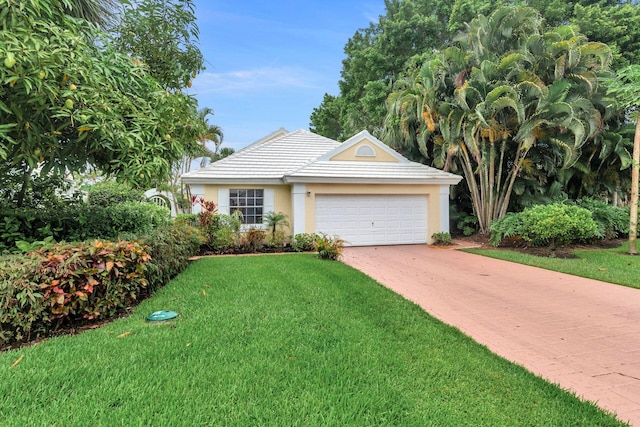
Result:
pixel 579 333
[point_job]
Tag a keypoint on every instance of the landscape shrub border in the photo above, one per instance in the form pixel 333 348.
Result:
pixel 93 280
pixel 43 290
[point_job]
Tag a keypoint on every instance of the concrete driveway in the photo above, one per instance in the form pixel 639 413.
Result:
pixel 579 333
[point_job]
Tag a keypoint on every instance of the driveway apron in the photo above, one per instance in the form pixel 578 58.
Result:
pixel 579 333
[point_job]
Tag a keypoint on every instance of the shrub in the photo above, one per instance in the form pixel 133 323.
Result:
pixel 224 235
pixel 170 248
pixel 509 225
pixel 109 193
pixel 47 288
pixel 442 238
pixel 304 242
pixel 188 219
pixel 612 221
pixel 79 222
pixel 277 240
pixel 253 240
pixel 557 224
pixel 329 247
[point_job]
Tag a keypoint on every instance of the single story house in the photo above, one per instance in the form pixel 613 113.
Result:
pixel 360 190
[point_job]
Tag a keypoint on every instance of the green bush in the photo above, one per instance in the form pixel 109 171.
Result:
pixel 79 222
pixel 188 219
pixel 170 247
pixel 509 225
pixel 557 224
pixel 442 238
pixel 224 234
pixel 109 193
pixel 612 221
pixel 277 240
pixel 303 242
pixel 48 288
pixel 329 247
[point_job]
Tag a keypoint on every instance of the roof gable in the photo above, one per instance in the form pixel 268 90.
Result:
pixel 364 147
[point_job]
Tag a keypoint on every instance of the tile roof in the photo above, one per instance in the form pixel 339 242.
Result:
pixel 300 156
pixel 268 160
pixel 371 172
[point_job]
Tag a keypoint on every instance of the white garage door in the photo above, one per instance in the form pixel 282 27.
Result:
pixel 365 220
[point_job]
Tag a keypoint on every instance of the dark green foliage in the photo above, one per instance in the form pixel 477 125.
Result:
pixel 612 221
pixel 48 288
pixel 303 242
pixel 109 193
pixel 329 247
pixel 38 191
pixel 78 222
pixel 170 247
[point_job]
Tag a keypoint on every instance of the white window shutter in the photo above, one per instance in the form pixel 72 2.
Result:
pixel 223 201
pixel 269 203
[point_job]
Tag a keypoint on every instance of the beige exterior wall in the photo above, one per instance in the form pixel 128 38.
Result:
pixel 432 192
pixel 281 197
pixel 350 154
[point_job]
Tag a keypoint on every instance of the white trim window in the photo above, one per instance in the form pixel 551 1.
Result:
pixel 250 202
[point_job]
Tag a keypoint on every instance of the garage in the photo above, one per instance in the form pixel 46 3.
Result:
pixel 366 220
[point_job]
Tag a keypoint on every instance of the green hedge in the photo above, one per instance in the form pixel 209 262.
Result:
pixel 79 222
pixel 170 248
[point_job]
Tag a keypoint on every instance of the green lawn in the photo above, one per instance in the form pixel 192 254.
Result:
pixel 279 340
pixel 608 265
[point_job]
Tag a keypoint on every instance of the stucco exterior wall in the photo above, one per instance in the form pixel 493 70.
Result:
pixel 281 196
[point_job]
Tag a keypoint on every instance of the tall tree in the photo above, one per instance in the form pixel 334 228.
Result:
pixel 163 34
pixel 626 88
pixel 376 56
pixel 68 102
pixel 505 92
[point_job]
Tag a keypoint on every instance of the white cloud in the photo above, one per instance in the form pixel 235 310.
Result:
pixel 245 81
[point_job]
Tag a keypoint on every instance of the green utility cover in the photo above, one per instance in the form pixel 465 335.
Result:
pixel 162 315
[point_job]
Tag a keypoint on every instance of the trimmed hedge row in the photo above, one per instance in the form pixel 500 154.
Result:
pixel 78 222
pixel 46 289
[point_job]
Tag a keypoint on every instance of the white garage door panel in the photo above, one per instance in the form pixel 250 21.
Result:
pixel 363 220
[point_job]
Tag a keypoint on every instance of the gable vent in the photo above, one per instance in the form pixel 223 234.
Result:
pixel 365 151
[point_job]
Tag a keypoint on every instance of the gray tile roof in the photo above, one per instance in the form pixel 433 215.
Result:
pixel 299 156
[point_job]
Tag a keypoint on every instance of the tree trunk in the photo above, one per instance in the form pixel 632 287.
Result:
pixel 633 220
pixel 26 178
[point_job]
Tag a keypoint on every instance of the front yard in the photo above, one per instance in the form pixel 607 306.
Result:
pixel 277 340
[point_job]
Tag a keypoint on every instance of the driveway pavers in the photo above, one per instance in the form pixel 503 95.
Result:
pixel 579 333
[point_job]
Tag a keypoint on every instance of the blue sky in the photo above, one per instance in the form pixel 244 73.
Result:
pixel 269 63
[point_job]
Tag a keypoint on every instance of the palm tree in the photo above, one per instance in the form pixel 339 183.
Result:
pixel 273 220
pixel 99 12
pixel 504 95
pixel 211 133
